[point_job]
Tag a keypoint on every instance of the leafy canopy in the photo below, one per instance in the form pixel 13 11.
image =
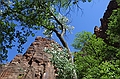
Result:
pixel 96 60
pixel 113 28
pixel 20 18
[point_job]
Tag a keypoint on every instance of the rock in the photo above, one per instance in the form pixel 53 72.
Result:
pixel 100 32
pixel 33 64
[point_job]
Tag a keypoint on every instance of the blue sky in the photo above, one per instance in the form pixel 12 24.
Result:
pixel 92 12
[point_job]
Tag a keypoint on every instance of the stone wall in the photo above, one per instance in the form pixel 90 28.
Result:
pixel 33 64
pixel 100 32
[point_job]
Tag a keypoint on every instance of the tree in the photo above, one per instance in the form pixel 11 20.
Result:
pixel 96 60
pixel 30 15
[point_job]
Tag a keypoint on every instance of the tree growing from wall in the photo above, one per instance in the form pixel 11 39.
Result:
pixel 97 59
pixel 30 15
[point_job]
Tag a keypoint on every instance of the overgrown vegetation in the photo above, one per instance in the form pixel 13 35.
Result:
pixel 19 19
pixel 64 66
pixel 97 59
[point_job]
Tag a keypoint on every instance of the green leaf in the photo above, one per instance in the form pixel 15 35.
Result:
pixel 33 34
pixel 89 0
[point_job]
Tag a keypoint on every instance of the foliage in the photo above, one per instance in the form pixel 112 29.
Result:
pixel 118 2
pixel 61 62
pixel 20 76
pixel 20 18
pixel 105 70
pixel 81 39
pixel 113 27
pixel 96 60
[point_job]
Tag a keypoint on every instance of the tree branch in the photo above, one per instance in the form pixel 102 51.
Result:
pixel 60 38
pixel 62 26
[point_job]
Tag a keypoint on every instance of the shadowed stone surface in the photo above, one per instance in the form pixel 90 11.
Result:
pixel 34 64
pixel 100 31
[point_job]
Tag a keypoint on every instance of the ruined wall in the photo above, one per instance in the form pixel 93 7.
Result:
pixel 100 32
pixel 34 64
